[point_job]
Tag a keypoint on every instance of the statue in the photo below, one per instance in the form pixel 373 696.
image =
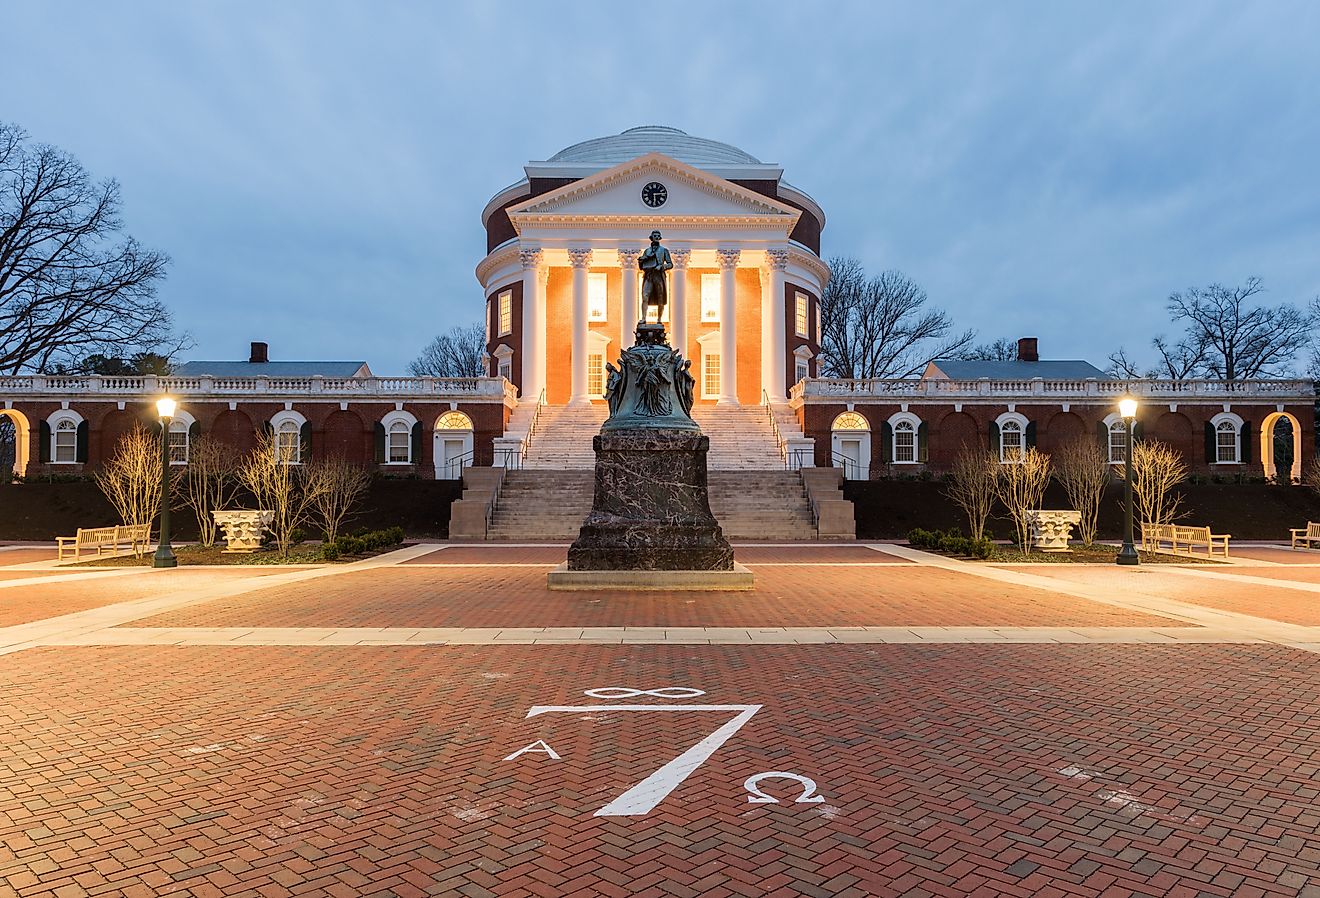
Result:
pixel 654 262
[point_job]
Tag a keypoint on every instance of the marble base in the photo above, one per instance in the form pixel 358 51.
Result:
pixel 737 580
pixel 651 510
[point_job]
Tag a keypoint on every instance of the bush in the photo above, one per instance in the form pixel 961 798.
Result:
pixel 362 543
pixel 950 542
pixel 330 552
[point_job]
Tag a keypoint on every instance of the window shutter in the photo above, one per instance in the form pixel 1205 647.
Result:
pixel 1244 443
pixel 380 443
pixel 1209 443
pixel 417 443
pixel 1102 436
pixel 994 437
pixel 194 431
pixel 1137 431
pixel 1031 434
pixel 43 454
pixel 81 450
pixel 922 444
pixel 886 443
pixel 305 441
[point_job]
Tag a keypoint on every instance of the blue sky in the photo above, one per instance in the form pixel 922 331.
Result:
pixel 317 170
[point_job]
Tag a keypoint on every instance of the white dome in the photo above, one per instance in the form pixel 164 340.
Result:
pixel 672 142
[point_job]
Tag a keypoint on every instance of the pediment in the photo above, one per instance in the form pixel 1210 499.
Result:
pixel 615 194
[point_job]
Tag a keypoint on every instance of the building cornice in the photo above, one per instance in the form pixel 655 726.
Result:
pixel 508 254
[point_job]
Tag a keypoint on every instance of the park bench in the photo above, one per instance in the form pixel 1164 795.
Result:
pixel 1306 535
pixel 101 538
pixel 1155 536
pixel 1200 536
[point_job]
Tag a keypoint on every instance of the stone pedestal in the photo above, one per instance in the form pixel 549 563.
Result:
pixel 1050 528
pixel 243 528
pixel 651 510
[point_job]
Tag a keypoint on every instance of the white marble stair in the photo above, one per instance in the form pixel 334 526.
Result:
pixel 562 441
pixel 542 504
pixel 741 438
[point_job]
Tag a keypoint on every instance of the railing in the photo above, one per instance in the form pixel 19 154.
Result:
pixel 454 466
pixel 151 385
pixel 536 418
pixel 794 459
pixel 947 388
pixel 509 459
pixel 797 459
pixel 852 468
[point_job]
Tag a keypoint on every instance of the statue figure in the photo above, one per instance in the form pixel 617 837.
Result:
pixel 653 376
pixel 614 386
pixel 684 382
pixel 654 262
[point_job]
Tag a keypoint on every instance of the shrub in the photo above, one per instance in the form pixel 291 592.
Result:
pixel 330 552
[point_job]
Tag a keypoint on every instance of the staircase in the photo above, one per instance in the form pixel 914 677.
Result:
pixel 538 505
pixel 562 441
pixel 761 505
pixel 740 438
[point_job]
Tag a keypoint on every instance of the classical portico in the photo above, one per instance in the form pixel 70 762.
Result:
pixel 742 274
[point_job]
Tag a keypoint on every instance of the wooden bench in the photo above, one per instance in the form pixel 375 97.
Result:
pixel 1200 536
pixel 101 538
pixel 1154 537
pixel 1307 535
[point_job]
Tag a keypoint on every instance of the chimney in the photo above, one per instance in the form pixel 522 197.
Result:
pixel 1026 350
pixel 261 354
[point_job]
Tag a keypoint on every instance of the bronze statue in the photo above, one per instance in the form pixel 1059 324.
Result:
pixel 654 262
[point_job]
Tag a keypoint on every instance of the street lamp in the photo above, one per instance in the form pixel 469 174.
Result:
pixel 1127 408
pixel 164 556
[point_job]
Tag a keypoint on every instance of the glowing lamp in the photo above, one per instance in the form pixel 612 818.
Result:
pixel 165 406
pixel 1127 407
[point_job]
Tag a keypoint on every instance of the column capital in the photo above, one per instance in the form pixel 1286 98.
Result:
pixel 776 259
pixel 681 257
pixel 530 258
pixel 628 257
pixel 579 257
pixel 728 258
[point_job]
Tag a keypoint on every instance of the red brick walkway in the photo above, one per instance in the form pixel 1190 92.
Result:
pixel 952 770
pixel 785 597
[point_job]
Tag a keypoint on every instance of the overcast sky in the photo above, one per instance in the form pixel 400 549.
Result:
pixel 317 170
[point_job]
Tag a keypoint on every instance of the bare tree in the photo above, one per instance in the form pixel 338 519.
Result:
pixel 209 482
pixel 455 353
pixel 1001 350
pixel 1021 487
pixel 130 479
pixel 338 486
pixel 1178 361
pixel 878 327
pixel 1241 338
pixel 278 486
pixel 1121 366
pixel 975 476
pixel 69 285
pixel 1082 467
pixel 1156 470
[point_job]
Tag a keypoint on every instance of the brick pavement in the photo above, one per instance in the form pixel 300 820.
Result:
pixel 898 595
pixel 951 770
pixel 12 556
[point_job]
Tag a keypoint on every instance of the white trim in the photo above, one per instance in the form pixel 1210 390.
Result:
pixel 1014 418
pixel 500 297
pixel 803 300
pixel 56 418
pixel 904 417
pixel 1236 421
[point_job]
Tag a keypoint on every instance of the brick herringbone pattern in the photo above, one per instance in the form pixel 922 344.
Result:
pixel 951 770
pixel 896 595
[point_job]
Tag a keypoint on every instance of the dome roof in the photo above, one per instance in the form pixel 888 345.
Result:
pixel 672 142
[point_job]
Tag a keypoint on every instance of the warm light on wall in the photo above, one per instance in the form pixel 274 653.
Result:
pixel 165 407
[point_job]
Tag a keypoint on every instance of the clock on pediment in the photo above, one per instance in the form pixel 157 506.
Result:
pixel 654 194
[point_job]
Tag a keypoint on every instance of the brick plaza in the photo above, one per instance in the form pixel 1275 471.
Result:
pixel 435 722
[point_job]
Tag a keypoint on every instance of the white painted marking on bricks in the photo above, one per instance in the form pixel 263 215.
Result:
pixel 808 784
pixel 608 692
pixel 538 746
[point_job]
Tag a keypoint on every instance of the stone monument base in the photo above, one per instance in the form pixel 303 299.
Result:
pixel 737 580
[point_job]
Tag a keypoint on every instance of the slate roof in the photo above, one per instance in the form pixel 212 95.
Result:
pixel 672 142
pixel 974 369
pixel 272 369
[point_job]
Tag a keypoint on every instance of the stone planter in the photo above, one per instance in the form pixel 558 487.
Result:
pixel 1050 529
pixel 243 528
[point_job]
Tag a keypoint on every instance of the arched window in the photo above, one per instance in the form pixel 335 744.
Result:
pixel 453 421
pixel 64 442
pixel 1226 442
pixel 850 421
pixel 1117 441
pixel 288 448
pixel 905 442
pixel 399 448
pixel 179 441
pixel 1010 441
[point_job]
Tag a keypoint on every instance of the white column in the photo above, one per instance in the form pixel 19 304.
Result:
pixel 628 270
pixel 775 347
pixel 580 259
pixel 678 300
pixel 728 259
pixel 533 337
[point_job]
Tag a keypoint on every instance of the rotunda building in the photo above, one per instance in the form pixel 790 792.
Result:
pixel 561 282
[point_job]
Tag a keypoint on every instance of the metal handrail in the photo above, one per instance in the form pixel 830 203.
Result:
pixel 856 466
pixel 511 458
pixel 536 417
pixel 462 461
pixel 780 441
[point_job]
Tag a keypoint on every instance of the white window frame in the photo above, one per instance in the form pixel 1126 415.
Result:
pixel 710 298
pixel 709 348
pixel 801 318
pixel 913 423
pixel 1012 418
pixel 1235 423
pixel 280 424
pixel 182 422
pixel 504 303
pixel 595 374
pixel 395 419
pixel 64 417
pixel 504 361
pixel 802 357
pixel 597 296
pixel 1115 425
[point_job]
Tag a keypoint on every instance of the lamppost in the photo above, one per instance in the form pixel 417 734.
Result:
pixel 164 556
pixel 1127 408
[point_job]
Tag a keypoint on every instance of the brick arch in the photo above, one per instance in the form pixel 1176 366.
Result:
pixel 112 428
pixel 1062 428
pixel 235 428
pixel 1176 429
pixel 345 436
pixel 954 431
